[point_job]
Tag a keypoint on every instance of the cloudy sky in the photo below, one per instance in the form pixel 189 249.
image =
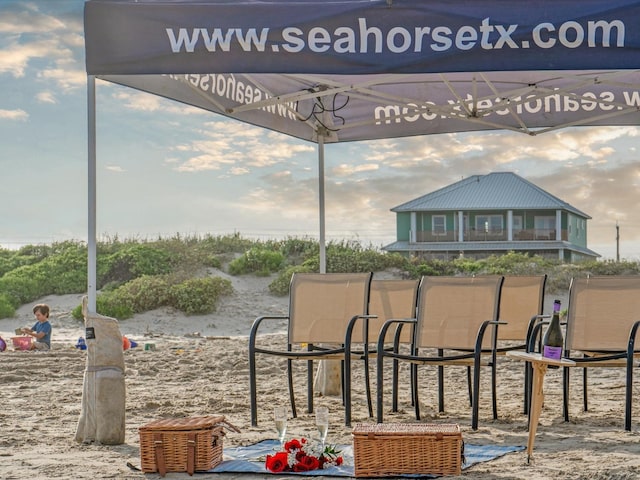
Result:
pixel 165 168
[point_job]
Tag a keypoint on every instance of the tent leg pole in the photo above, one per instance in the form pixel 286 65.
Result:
pixel 323 255
pixel 91 160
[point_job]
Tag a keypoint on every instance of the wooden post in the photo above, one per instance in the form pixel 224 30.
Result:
pixel 328 378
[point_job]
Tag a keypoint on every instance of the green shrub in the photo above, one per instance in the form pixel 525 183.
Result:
pixel 198 296
pixel 133 261
pixel 7 309
pixel 77 312
pixel 257 260
pixel 212 261
pixel 148 292
pixel 345 257
pixel 418 268
pixel 21 286
pixel 234 243
pixel 116 304
pixel 280 286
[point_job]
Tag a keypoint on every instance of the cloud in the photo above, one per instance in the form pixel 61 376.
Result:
pixel 15 57
pixel 230 143
pixel 145 102
pixel 46 97
pixel 18 114
pixel 51 45
pixel 115 168
pixel 66 79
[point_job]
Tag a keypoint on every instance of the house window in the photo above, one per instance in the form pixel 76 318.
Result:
pixel 438 225
pixel 545 227
pixel 489 223
pixel 517 223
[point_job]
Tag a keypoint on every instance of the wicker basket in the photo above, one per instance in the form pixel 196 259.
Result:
pixel 407 448
pixel 182 444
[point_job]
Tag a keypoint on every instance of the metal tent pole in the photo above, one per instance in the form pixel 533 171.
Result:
pixel 91 180
pixel 323 255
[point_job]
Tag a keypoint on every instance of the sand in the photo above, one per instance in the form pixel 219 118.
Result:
pixel 200 367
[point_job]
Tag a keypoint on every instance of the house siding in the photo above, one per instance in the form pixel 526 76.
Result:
pixel 403 226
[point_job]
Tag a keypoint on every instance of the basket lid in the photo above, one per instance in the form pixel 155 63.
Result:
pixel 405 428
pixel 188 423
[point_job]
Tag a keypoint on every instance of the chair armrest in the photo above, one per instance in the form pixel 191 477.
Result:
pixel 534 330
pixel 482 330
pixel 383 331
pixel 258 321
pixel 351 325
pixel 632 340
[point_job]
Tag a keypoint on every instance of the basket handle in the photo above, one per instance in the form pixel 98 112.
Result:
pixel 224 423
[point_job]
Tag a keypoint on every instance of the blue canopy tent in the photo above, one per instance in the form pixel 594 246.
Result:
pixel 347 70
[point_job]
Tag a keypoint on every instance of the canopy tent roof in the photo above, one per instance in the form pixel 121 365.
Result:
pixel 367 69
pixel 349 70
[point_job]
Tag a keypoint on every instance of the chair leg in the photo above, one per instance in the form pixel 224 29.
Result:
pixel 494 392
pixel 367 385
pixel 527 387
pixel 476 395
pixel 440 384
pixel 292 399
pixel 628 394
pixel 413 394
pixel 346 387
pixel 309 386
pixel 414 383
pixel 565 393
pixel 252 386
pixel 379 386
pixel 394 386
pixel 469 389
pixel 585 400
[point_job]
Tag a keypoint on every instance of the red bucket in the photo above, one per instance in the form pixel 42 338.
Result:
pixel 21 343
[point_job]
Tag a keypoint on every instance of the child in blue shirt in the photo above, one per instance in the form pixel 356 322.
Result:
pixel 41 330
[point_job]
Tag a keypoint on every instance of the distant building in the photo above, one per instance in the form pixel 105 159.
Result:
pixel 487 215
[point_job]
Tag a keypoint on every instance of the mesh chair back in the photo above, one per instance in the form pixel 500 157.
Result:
pixel 601 312
pixel 521 298
pixel 452 309
pixel 321 305
pixel 390 299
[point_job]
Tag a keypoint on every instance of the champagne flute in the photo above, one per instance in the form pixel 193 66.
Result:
pixel 280 417
pixel 322 423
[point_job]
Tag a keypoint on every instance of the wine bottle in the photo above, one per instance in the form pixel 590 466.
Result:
pixel 552 342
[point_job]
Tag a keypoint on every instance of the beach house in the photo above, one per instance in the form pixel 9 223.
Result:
pixel 491 214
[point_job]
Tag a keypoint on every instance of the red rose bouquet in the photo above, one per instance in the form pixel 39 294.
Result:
pixel 299 456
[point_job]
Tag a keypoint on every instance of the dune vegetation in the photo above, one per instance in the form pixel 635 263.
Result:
pixel 135 276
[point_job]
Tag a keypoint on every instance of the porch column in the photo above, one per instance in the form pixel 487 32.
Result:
pixel 510 225
pixel 460 226
pixel 412 233
pixel 558 224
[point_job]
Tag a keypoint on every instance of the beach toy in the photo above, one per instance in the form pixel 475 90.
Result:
pixel 126 343
pixel 81 345
pixel 21 343
pixel 3 345
pixel 134 344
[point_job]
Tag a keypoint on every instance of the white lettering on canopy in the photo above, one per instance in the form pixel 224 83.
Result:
pixel 368 39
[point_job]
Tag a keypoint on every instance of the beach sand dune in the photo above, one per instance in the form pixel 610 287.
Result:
pixel 200 367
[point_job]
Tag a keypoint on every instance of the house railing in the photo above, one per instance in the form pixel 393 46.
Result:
pixel 524 235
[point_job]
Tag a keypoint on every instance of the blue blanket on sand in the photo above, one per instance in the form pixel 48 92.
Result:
pixel 250 459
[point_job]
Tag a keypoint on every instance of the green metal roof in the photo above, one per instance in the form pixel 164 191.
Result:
pixel 494 191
